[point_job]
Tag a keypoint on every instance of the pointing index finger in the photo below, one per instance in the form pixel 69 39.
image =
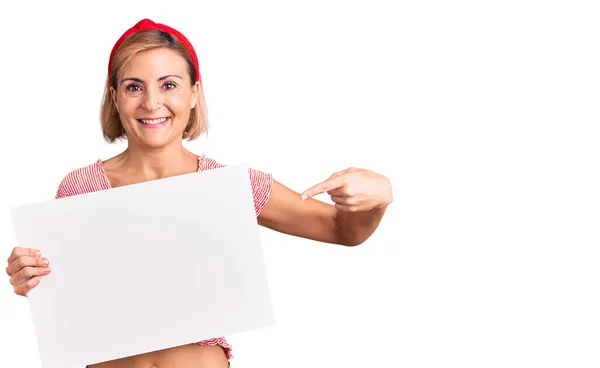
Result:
pixel 329 184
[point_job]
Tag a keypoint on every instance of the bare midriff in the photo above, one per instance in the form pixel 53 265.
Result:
pixel 192 356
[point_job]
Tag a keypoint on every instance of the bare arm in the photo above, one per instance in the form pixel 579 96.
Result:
pixel 361 198
pixel 354 228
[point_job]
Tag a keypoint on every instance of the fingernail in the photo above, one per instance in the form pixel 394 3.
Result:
pixel 45 262
pixel 304 196
pixel 37 253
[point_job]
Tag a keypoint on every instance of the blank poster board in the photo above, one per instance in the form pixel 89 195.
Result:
pixel 145 267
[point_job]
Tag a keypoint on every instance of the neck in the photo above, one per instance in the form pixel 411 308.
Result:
pixel 158 163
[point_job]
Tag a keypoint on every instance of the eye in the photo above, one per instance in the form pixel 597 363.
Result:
pixel 169 86
pixel 133 88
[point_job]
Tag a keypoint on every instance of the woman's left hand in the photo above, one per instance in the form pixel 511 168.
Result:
pixel 354 190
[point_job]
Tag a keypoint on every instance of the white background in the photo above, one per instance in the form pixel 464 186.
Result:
pixel 484 115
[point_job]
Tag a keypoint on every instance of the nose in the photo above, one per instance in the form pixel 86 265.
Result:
pixel 152 100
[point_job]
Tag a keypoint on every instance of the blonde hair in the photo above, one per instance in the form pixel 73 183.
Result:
pixel 112 128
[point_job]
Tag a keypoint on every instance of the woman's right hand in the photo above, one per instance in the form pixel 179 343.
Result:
pixel 26 267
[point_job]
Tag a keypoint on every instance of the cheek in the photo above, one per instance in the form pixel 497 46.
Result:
pixel 179 103
pixel 127 107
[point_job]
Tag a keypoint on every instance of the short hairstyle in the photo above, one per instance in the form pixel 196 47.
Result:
pixel 112 128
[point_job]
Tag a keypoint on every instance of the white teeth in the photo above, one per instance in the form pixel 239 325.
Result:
pixel 153 121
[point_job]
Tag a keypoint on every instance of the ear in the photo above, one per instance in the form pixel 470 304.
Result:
pixel 195 91
pixel 113 95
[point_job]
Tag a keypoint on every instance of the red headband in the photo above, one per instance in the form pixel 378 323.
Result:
pixel 147 24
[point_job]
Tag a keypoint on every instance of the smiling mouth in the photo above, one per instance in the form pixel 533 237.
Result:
pixel 153 121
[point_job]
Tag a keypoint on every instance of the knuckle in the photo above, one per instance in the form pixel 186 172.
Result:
pixel 28 272
pixel 32 282
pixel 19 290
pixel 12 254
pixel 18 276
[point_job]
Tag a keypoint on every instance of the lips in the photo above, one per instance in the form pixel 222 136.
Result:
pixel 153 121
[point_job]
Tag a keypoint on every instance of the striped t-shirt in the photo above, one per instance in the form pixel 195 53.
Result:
pixel 92 178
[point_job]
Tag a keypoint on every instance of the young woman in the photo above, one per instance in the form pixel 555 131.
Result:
pixel 153 99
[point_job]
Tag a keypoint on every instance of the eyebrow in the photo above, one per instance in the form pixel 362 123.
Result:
pixel 159 79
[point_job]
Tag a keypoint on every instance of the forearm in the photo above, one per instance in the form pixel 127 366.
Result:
pixel 354 228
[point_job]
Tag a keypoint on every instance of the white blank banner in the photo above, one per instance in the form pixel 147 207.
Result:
pixel 146 267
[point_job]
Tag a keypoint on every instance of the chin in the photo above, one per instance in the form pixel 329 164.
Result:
pixel 156 141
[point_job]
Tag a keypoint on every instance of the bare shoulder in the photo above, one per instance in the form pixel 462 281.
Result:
pixel 111 162
pixel 112 169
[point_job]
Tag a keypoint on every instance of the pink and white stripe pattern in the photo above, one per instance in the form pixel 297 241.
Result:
pixel 92 178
